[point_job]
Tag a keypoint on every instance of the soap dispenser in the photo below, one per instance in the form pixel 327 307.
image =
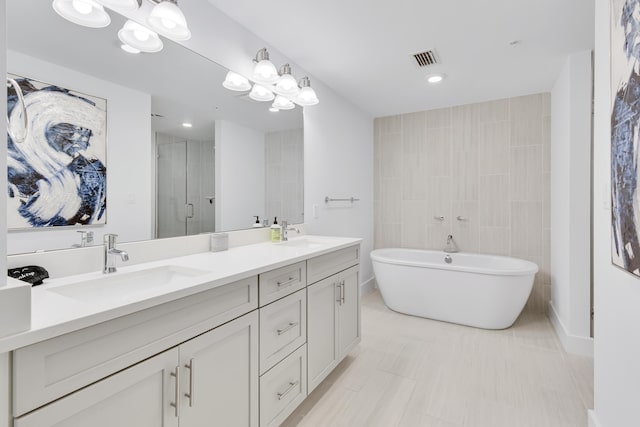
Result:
pixel 257 224
pixel 276 231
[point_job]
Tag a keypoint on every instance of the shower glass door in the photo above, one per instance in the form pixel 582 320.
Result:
pixel 184 186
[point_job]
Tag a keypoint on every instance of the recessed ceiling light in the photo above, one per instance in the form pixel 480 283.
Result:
pixel 435 78
pixel 129 49
pixel 187 125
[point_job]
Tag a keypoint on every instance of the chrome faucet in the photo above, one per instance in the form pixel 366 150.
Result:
pixel 451 246
pixel 86 238
pixel 110 251
pixel 286 229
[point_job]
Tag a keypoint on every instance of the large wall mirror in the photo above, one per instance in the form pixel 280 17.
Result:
pixel 236 161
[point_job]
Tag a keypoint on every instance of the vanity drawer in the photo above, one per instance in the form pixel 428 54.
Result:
pixel 50 369
pixel 283 388
pixel 326 265
pixel 281 282
pixel 283 328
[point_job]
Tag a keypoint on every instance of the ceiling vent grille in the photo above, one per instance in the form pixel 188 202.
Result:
pixel 426 58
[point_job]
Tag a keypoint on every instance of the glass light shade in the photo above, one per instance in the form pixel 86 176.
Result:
pixel 261 93
pixel 307 97
pixel 265 72
pixel 128 5
pixel 282 103
pixel 287 85
pixel 140 37
pixel 129 49
pixel 235 81
pixel 87 13
pixel 167 19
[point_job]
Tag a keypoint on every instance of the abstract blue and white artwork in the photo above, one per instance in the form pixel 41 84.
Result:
pixel 57 176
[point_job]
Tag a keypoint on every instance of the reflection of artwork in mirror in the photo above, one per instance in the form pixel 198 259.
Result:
pixel 57 176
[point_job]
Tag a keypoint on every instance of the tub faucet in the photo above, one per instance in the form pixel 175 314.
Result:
pixel 451 246
pixel 109 254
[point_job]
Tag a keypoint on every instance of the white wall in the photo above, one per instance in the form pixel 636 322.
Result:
pixel 338 153
pixel 129 194
pixel 570 304
pixel 239 175
pixel 284 175
pixel 617 293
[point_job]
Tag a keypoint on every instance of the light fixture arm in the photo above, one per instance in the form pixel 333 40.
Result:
pixel 304 82
pixel 261 55
pixel 285 69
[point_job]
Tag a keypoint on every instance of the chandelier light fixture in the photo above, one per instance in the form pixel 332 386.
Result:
pixel 236 82
pixel 261 94
pixel 307 95
pixel 140 37
pixel 264 71
pixel 272 85
pixel 87 13
pixel 165 19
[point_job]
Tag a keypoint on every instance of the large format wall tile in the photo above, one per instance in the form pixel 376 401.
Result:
pixel 488 163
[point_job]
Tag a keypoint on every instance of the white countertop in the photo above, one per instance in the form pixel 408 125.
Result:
pixel 53 314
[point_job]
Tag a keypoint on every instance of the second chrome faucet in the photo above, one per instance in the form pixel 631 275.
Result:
pixel 110 252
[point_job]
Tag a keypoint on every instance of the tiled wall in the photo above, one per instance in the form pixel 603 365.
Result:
pixel 488 163
pixel 284 175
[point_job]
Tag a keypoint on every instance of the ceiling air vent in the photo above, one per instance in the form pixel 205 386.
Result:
pixel 426 58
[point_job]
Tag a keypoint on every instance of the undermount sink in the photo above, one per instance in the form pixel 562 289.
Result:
pixel 307 242
pixel 127 286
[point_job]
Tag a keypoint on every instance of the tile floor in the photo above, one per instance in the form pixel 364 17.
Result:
pixel 414 372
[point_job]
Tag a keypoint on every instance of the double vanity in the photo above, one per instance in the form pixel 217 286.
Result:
pixel 232 338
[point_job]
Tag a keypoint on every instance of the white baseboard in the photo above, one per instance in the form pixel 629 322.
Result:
pixel 575 344
pixel 593 419
pixel 368 286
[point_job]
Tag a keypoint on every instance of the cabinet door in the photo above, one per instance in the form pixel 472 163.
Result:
pixel 321 330
pixel 219 384
pixel 348 311
pixel 140 396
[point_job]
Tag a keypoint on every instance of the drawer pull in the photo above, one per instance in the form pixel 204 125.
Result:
pixel 292 385
pixel 176 404
pixel 286 282
pixel 287 328
pixel 191 367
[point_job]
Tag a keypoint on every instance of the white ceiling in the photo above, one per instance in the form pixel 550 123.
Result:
pixel 362 48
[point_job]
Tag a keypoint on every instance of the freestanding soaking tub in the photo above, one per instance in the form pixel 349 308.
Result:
pixel 484 291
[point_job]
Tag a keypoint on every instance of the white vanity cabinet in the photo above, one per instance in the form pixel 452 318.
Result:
pixel 242 354
pixel 333 318
pixel 211 379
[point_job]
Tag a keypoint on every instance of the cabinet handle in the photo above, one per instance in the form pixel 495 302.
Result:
pixel 190 215
pixel 176 404
pixel 286 282
pixel 292 385
pixel 342 292
pixel 287 328
pixel 338 287
pixel 191 367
